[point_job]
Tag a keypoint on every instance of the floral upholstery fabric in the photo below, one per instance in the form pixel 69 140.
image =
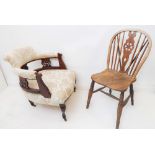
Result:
pixel 20 56
pixel 60 84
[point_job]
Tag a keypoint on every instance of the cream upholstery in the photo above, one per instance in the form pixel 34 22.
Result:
pixel 59 82
pixel 20 56
pixel 29 74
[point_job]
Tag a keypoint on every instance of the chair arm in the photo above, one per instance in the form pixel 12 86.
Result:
pixel 26 75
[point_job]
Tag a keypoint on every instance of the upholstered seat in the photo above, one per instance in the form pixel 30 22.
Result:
pixel 51 85
pixel 60 83
pixel 113 79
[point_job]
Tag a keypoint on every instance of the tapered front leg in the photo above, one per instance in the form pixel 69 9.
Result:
pixel 132 94
pixel 119 109
pixel 63 109
pixel 110 91
pixel 74 89
pixel 90 93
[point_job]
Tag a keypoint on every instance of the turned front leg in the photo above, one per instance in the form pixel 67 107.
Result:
pixel 63 109
pixel 132 94
pixel 119 109
pixel 90 93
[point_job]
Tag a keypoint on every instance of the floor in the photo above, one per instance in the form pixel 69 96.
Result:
pixel 16 112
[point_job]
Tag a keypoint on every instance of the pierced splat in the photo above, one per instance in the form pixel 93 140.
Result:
pixel 46 62
pixel 128 47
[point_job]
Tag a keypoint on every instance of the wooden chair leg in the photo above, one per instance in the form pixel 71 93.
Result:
pixel 63 109
pixel 119 109
pixel 132 94
pixel 74 89
pixel 32 103
pixel 90 93
pixel 110 91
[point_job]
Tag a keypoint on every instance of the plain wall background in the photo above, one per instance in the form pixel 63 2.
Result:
pixel 84 49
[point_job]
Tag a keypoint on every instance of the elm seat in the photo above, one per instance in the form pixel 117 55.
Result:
pixel 51 85
pixel 113 79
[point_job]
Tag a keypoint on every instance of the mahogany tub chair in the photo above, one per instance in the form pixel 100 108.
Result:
pixel 127 52
pixel 49 84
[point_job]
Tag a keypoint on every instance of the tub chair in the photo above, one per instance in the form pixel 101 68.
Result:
pixel 48 84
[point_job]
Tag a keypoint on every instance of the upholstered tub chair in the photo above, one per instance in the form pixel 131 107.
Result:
pixel 49 84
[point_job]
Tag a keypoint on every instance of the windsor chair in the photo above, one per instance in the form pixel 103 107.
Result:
pixel 127 52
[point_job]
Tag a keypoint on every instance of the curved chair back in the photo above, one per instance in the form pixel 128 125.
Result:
pixel 128 51
pixel 19 60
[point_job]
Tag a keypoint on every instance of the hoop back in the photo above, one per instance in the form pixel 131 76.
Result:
pixel 128 51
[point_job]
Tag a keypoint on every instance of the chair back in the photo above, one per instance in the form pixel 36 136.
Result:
pixel 128 51
pixel 20 56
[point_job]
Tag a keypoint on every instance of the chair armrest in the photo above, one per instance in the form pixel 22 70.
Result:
pixel 26 75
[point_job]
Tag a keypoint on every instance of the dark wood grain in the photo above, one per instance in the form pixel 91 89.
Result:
pixel 46 65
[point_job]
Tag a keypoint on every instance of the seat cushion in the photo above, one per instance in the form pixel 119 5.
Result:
pixel 60 83
pixel 113 79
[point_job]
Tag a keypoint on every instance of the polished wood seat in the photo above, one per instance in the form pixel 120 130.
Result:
pixel 113 79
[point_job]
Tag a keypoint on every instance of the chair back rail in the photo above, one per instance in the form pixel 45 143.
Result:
pixel 128 51
pixel 46 65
